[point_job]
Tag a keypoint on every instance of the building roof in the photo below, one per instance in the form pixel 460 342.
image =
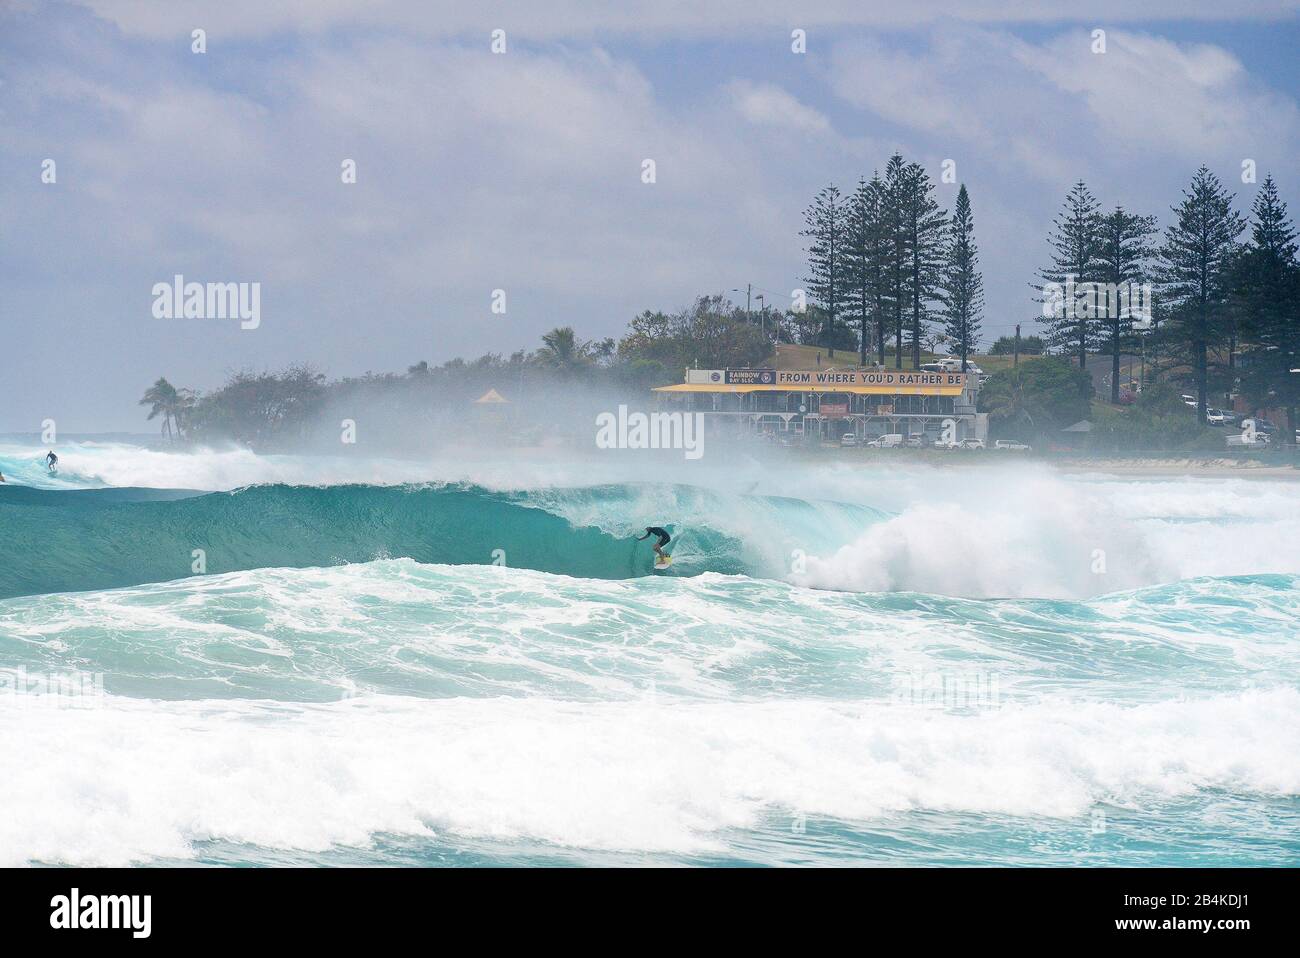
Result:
pixel 727 388
pixel 491 396
pixel 1082 425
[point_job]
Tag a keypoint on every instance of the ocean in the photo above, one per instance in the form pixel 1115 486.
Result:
pixel 217 657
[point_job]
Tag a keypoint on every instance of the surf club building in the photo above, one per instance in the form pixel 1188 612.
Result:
pixel 828 404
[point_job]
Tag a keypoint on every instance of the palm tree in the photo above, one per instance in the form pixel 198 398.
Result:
pixel 170 403
pixel 182 411
pixel 562 349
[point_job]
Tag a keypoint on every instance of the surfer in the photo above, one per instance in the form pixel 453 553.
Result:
pixel 664 539
pixel 51 460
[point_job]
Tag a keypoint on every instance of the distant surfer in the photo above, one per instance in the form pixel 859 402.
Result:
pixel 51 460
pixel 664 539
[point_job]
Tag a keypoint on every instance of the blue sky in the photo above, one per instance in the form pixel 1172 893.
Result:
pixel 521 171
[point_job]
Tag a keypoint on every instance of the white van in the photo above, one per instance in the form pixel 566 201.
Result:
pixel 950 366
pixel 888 441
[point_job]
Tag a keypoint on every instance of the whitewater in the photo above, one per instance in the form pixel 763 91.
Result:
pixel 469 660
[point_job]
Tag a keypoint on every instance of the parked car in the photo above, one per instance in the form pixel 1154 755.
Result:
pixel 951 366
pixel 888 441
pixel 972 443
pixel 914 442
pixel 1014 444
pixel 1215 417
pixel 946 444
pixel 848 439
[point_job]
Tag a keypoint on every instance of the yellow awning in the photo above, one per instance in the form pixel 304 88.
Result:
pixel 726 389
pixel 706 388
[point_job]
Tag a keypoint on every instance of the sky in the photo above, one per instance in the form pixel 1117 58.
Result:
pixel 522 171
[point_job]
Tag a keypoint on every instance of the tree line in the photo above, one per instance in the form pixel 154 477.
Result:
pixel 887 266
pixel 275 409
pixel 887 262
pixel 1222 311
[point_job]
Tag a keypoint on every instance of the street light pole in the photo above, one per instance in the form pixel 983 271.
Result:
pixel 749 289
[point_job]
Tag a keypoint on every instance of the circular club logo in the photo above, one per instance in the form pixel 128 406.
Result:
pixel 766 378
pixel 715 376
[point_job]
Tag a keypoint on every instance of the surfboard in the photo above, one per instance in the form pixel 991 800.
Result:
pixel 663 563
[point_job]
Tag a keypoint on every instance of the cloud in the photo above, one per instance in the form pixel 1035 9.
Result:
pixel 1148 95
pixel 531 21
pixel 475 172
pixel 765 104
pixel 522 171
pixel 1055 110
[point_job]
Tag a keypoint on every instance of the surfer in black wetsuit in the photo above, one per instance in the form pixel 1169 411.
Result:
pixel 51 460
pixel 664 538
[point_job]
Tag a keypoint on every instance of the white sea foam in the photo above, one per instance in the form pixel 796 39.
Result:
pixel 142 779
pixel 1034 533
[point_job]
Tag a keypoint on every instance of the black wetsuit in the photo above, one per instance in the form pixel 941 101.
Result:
pixel 664 537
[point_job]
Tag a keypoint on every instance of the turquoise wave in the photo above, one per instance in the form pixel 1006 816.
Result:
pixel 90 539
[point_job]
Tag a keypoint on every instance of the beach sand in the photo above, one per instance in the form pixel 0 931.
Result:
pixel 1205 466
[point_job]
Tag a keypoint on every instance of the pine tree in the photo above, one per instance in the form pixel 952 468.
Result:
pixel 1268 289
pixel 1272 234
pixel 963 288
pixel 881 263
pixel 893 226
pixel 1074 249
pixel 1194 272
pixel 857 262
pixel 1124 250
pixel 926 227
pixel 826 227
pixel 867 263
